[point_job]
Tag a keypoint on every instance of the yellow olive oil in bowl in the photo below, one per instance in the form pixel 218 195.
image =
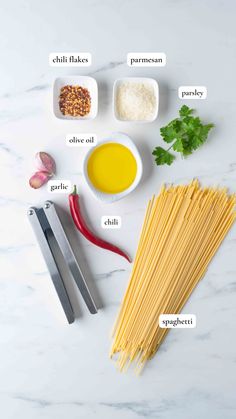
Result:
pixel 113 168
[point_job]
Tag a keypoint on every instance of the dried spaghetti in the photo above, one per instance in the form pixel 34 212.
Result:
pixel 182 230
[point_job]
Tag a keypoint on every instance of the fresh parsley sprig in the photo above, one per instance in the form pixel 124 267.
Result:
pixel 185 134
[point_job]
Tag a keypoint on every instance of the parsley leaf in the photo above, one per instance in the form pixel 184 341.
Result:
pixel 186 134
pixel 163 156
pixel 178 145
pixel 185 111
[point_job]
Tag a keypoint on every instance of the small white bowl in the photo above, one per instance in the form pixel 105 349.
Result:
pixel 123 139
pixel 145 80
pixel 84 81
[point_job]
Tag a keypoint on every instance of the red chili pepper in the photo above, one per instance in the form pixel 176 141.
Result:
pixel 83 228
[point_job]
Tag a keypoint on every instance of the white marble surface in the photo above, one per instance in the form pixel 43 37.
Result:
pixel 50 370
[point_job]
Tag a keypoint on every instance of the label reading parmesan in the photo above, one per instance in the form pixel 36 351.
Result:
pixel 146 59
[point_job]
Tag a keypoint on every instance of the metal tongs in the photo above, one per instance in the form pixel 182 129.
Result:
pixel 48 228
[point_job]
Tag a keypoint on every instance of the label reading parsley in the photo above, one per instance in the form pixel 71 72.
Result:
pixel 192 92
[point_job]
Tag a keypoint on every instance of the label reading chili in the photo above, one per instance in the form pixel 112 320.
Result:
pixel 111 221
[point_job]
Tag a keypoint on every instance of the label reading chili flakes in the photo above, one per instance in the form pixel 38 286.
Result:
pixel 70 59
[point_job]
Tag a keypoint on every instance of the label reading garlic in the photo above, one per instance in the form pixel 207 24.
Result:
pixel 70 59
pixel 59 186
pixel 81 140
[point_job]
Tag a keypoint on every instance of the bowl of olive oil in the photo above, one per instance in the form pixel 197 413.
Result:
pixel 113 168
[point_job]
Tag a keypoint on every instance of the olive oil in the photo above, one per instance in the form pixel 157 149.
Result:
pixel 112 168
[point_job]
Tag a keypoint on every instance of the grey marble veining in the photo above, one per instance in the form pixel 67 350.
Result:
pixel 50 370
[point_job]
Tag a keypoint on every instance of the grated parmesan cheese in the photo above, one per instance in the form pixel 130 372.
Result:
pixel 135 101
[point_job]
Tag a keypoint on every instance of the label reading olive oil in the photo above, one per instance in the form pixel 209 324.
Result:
pixel 81 140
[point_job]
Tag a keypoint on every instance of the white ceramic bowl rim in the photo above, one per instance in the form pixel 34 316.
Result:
pixel 123 139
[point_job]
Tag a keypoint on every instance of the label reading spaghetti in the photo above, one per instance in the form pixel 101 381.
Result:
pixel 177 321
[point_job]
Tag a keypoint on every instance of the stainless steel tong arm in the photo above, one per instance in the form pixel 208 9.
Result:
pixel 46 223
pixel 68 255
pixel 40 225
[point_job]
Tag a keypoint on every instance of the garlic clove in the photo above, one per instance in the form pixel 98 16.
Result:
pixel 39 179
pixel 45 162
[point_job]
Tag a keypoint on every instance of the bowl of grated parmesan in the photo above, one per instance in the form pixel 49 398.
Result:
pixel 135 99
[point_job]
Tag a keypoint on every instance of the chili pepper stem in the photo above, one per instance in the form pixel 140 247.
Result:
pixel 74 192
